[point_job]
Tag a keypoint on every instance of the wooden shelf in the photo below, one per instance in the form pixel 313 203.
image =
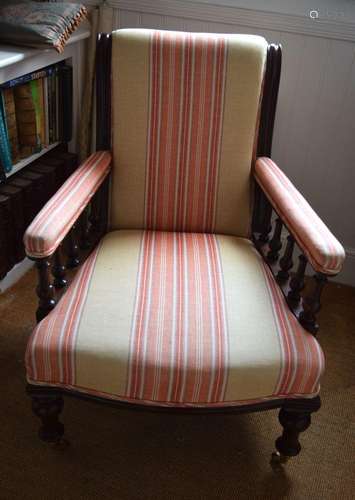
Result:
pixel 12 55
pixel 26 161
pixel 18 61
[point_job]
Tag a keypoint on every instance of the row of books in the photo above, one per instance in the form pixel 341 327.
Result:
pixel 24 194
pixel 35 111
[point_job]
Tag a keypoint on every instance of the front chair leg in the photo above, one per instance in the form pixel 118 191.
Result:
pixel 48 406
pixel 295 417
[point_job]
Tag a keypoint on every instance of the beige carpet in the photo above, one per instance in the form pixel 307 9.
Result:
pixel 120 454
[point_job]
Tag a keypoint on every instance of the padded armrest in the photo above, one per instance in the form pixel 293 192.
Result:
pixel 322 249
pixel 54 221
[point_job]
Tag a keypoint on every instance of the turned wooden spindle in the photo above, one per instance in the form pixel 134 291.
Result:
pixel 286 262
pixel 266 226
pixel 104 205
pixel 94 217
pixel 297 282
pixel 72 248
pixel 311 304
pixel 45 289
pixel 58 269
pixel 275 243
pixel 84 226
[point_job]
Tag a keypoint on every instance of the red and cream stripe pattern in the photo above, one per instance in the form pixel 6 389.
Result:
pixel 302 360
pixel 183 338
pixel 187 87
pixel 54 362
pixel 323 250
pixel 179 338
pixel 55 219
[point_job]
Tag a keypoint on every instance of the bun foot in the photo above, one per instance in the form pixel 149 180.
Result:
pixel 60 444
pixel 277 460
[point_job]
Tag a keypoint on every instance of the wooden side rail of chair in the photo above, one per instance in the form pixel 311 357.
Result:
pixel 58 222
pixel 317 244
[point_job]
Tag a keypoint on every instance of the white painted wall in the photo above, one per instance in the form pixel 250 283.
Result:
pixel 327 9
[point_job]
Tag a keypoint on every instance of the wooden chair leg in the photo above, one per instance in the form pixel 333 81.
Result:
pixel 47 406
pixel 295 417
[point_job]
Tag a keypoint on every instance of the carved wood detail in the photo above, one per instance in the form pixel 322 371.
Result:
pixel 45 289
pixel 72 248
pixel 58 269
pixel 295 418
pixel 275 244
pixel 297 282
pixel 47 407
pixel 311 304
pixel 286 261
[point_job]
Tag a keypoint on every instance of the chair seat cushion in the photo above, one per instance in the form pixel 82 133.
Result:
pixel 175 319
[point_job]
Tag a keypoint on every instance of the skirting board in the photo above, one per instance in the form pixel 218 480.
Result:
pixel 15 274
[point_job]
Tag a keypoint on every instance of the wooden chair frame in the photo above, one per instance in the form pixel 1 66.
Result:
pixel 295 414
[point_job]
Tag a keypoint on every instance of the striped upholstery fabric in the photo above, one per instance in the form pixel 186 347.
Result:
pixel 323 250
pixel 183 132
pixel 175 319
pixel 55 219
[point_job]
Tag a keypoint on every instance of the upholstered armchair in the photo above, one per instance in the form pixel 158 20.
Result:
pixel 184 303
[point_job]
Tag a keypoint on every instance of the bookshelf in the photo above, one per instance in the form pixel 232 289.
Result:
pixel 18 61
pixel 26 161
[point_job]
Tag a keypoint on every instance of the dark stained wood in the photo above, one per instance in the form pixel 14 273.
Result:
pixel 265 223
pixel 103 91
pixel 58 269
pixel 84 230
pixel 72 248
pixel 248 408
pixel 45 289
pixel 262 209
pixel 47 405
pixel 295 417
pixel 297 282
pixel 286 261
pixel 275 244
pixel 269 101
pixel 103 123
pixel 311 304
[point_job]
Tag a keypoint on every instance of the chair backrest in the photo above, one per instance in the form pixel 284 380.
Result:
pixel 185 112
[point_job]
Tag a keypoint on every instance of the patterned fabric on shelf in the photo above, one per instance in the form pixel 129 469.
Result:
pixel 54 221
pixel 40 25
pixel 323 250
pixel 175 319
pixel 184 131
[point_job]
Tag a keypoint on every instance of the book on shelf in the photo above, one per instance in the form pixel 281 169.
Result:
pixel 11 123
pixel 36 111
pixel 5 151
pixel 27 122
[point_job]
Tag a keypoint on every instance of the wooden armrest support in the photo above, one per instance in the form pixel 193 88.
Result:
pixel 323 250
pixel 54 221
